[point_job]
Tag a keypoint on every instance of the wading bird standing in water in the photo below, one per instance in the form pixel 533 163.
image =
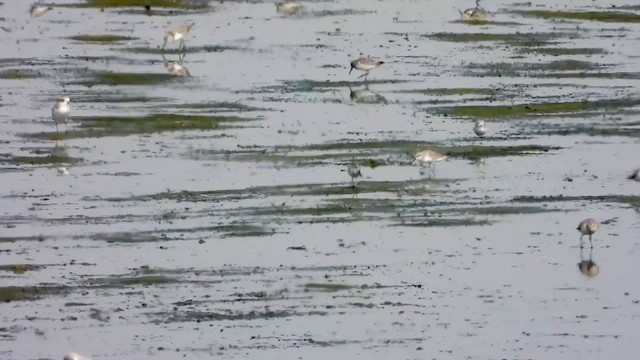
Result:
pixel 588 227
pixel 429 157
pixel 289 7
pixel 365 64
pixel 475 14
pixel 60 112
pixel 354 172
pixel 38 10
pixel 177 33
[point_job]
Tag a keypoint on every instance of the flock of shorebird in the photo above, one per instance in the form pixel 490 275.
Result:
pixel 62 110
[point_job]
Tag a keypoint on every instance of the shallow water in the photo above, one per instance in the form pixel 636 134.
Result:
pixel 212 216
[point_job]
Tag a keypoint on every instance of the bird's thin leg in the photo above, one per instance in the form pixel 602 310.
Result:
pixel 57 132
pixel 581 237
pixel 590 241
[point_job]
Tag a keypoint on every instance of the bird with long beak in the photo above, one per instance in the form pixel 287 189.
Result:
pixel 178 33
pixel 365 64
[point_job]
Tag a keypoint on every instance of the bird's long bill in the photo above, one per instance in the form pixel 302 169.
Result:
pixel 350 70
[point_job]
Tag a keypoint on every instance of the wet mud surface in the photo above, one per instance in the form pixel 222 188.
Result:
pixel 211 215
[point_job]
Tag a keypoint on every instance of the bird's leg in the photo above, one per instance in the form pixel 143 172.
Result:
pixel 57 132
pixel 590 241
pixel 581 237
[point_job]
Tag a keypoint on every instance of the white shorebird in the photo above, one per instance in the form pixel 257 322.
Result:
pixel 354 172
pixel 38 10
pixel 365 64
pixel 480 128
pixel 475 14
pixel 62 171
pixel 74 356
pixel 61 111
pixel 635 176
pixel 588 227
pixel 177 33
pixel 429 157
pixel 289 7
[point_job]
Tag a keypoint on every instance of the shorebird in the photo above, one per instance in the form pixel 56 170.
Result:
pixel 62 171
pixel 475 14
pixel 365 64
pixel 61 111
pixel 429 157
pixel 74 356
pixel 588 227
pixel 38 10
pixel 289 7
pixel 480 128
pixel 354 172
pixel 635 176
pixel 177 33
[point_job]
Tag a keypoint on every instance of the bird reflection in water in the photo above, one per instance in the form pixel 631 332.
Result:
pixel 587 266
pixel 366 96
pixel 176 68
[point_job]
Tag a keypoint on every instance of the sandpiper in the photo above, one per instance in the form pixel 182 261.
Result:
pixel 177 33
pixel 635 176
pixel 38 10
pixel 354 172
pixel 475 14
pixel 365 64
pixel 74 356
pixel 480 128
pixel 62 171
pixel 289 7
pixel 588 227
pixel 429 157
pixel 60 112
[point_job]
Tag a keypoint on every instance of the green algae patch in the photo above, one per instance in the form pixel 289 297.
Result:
pixel 171 49
pixel 603 16
pixel 478 152
pixel 306 85
pixel 120 281
pixel 18 74
pixel 110 78
pixel 515 69
pixel 327 287
pixel 141 3
pixel 532 109
pixel 556 51
pixel 29 293
pixel 516 39
pixel 40 160
pixel 104 38
pixel 20 269
pixel 450 91
pixel 100 126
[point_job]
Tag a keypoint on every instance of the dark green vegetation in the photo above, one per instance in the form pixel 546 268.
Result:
pixel 523 68
pixel 18 74
pixel 173 49
pixel 141 3
pixel 142 79
pixel 532 109
pixel 515 39
pixel 104 38
pixel 100 126
pixel 45 159
pixel 559 51
pixel 319 86
pixel 604 16
pixel 450 91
